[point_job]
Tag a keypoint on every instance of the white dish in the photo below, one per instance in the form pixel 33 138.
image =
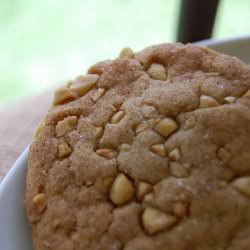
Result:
pixel 14 229
pixel 239 47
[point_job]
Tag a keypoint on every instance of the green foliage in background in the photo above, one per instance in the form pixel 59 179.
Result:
pixel 43 43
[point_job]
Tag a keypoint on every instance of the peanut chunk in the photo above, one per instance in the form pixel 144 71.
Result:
pixel 122 190
pixel 143 189
pixel 63 95
pixel 230 99
pixel 98 94
pixel 177 170
pixel 180 209
pixel 89 183
pixel 149 111
pixel 83 84
pixel 126 53
pixel 224 155
pixel 125 147
pixel 227 174
pixel 155 221
pixel 174 155
pixel 113 108
pixel 98 132
pixel 39 202
pixel 107 182
pixel 166 126
pixel 66 125
pixel 141 127
pixel 38 130
pixel 107 153
pixel 208 101
pixel 242 184
pixel 117 116
pixel 148 198
pixel 56 223
pixel 64 150
pixel 157 72
pixel 247 93
pixel 158 149
pixel 189 123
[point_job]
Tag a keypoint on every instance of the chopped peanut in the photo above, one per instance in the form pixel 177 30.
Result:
pixel 242 184
pixel 158 149
pixel 155 221
pixel 174 155
pixel 98 132
pixel 64 150
pixel 89 183
pixel 177 170
pixel 166 126
pixel 189 123
pixel 107 153
pixel 126 53
pixel 107 182
pixel 98 94
pixel 122 190
pixel 125 147
pixel 148 198
pixel 149 111
pixel 38 129
pixel 227 174
pixel 83 84
pixel 247 93
pixel 39 202
pixel 56 223
pixel 143 189
pixel 141 127
pixel 113 108
pixel 117 116
pixel 66 125
pixel 208 101
pixel 224 155
pixel 230 99
pixel 157 72
pixel 180 209
pixel 63 95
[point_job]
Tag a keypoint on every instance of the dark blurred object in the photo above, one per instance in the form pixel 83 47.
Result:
pixel 196 20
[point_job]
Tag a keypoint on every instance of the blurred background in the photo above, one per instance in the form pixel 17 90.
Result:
pixel 44 43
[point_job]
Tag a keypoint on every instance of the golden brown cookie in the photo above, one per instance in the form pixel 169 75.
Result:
pixel 148 151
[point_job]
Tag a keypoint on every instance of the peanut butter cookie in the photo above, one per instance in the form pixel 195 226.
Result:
pixel 148 151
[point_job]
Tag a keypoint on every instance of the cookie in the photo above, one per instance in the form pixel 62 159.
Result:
pixel 147 151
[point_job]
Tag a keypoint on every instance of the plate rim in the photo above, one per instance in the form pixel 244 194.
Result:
pixel 22 157
pixel 219 41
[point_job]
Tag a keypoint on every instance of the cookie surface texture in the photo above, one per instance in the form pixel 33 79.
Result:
pixel 148 151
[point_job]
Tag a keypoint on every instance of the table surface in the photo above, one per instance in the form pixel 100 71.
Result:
pixel 18 123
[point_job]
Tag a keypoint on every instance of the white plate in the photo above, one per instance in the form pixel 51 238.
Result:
pixel 239 47
pixel 14 229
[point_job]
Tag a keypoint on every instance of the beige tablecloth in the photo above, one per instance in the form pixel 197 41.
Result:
pixel 18 123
